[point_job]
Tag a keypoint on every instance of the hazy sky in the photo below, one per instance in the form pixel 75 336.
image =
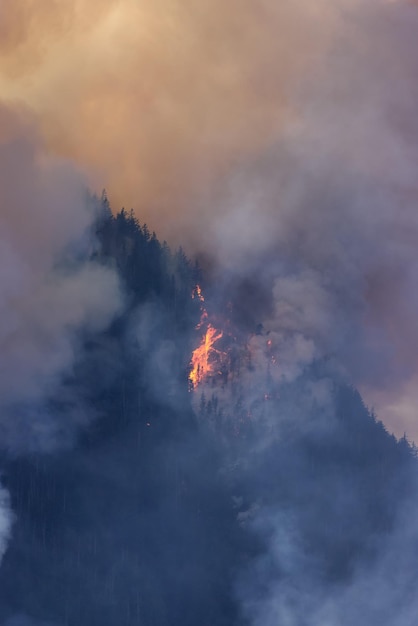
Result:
pixel 238 128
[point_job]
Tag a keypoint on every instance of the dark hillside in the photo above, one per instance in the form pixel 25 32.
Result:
pixel 149 520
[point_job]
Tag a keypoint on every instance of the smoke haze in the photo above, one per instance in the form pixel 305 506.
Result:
pixel 241 129
pixel 158 101
pixel 278 142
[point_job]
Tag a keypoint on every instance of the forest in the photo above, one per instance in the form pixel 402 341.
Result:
pixel 248 499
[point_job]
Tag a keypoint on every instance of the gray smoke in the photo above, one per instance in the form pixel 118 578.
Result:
pixel 380 590
pixel 326 216
pixel 309 187
pixel 50 290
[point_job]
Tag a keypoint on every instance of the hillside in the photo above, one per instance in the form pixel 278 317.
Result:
pixel 178 506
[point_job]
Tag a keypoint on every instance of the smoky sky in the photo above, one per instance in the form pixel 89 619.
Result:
pixel 244 129
pixel 157 102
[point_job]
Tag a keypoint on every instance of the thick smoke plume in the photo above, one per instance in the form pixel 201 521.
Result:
pixel 158 100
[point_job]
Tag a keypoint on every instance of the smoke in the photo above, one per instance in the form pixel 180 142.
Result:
pixel 51 293
pixel 49 288
pixel 156 102
pixel 378 590
pixel 278 139
pixel 6 520
pixel 246 131
pixel 327 215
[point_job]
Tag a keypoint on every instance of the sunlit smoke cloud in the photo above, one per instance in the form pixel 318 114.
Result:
pixel 157 101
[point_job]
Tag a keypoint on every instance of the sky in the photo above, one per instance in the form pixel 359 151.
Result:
pixel 246 130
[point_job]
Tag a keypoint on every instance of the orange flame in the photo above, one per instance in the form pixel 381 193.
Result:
pixel 202 358
pixel 203 361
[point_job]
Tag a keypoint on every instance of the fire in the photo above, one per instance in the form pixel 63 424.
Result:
pixel 197 293
pixel 225 363
pixel 204 357
pixel 234 374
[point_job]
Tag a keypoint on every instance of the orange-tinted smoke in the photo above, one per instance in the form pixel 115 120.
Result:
pixel 157 100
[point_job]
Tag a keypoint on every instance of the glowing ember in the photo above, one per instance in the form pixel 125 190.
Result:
pixel 197 293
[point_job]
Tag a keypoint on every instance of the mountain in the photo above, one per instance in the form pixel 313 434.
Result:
pixel 178 506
